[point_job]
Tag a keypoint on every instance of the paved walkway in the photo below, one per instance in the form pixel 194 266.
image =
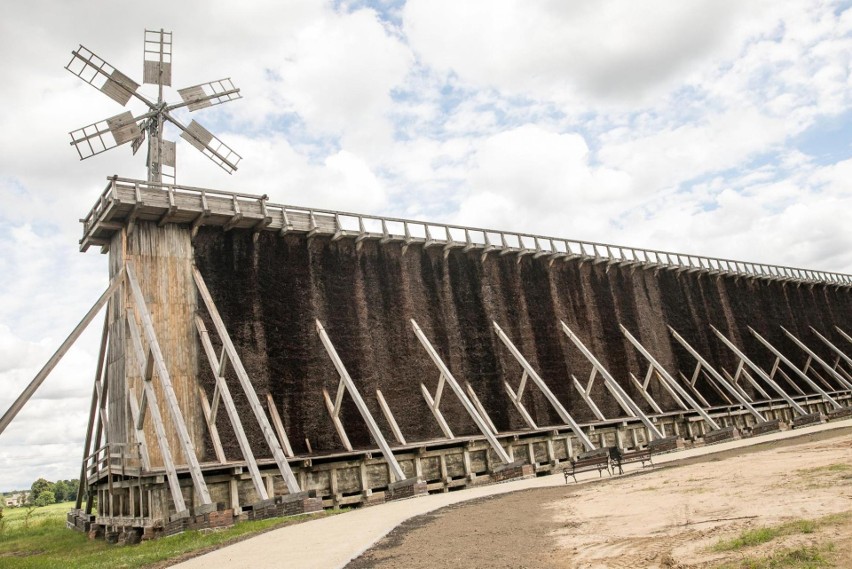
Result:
pixel 332 542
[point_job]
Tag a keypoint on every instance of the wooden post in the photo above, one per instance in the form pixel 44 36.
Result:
pixel 390 418
pixel 840 354
pixel 93 411
pixel 58 355
pixel 279 425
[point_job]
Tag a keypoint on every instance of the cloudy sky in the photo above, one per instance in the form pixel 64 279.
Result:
pixel 717 127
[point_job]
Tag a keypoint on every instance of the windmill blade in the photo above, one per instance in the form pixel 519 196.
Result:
pixel 91 140
pixel 140 140
pixel 209 145
pixel 103 76
pixel 157 67
pixel 208 94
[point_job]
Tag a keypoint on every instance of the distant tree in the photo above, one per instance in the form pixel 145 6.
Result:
pixel 40 486
pixel 45 498
pixel 60 490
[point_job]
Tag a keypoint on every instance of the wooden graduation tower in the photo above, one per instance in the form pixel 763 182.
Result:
pixel 261 360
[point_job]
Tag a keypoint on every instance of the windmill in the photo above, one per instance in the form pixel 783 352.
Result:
pixel 123 128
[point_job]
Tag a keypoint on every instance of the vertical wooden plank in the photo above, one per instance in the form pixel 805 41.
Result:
pixel 172 405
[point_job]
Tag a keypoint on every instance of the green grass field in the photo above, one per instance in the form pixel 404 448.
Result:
pixel 46 543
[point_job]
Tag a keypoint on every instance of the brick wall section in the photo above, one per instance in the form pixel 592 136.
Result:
pixel 719 435
pixel 405 489
pixel 513 472
pixel 767 427
pixel 803 420
pixel 839 413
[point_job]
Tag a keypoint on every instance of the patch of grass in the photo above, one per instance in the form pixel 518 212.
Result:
pixel 757 536
pixel 748 538
pixel 46 543
pixel 798 558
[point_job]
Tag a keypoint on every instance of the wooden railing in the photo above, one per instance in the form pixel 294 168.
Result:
pixel 339 224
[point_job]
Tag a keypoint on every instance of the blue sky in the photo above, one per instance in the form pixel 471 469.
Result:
pixel 716 127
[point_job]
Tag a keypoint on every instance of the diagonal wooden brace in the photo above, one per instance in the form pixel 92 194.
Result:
pixel 346 380
pixel 466 403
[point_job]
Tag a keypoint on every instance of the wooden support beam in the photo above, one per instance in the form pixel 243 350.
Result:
pixel 389 417
pixel 466 403
pixel 334 413
pixel 30 389
pixel 666 379
pixel 795 406
pixel 587 397
pixel 279 425
pixel 159 428
pixel 436 412
pixel 479 406
pixel 230 408
pixel 138 433
pixel 516 401
pixel 620 395
pixel 210 419
pixel 645 393
pixel 248 388
pixel 709 369
pixel 548 394
pixel 93 410
pixel 345 379
pixel 742 372
pixel 168 390
pixel 840 354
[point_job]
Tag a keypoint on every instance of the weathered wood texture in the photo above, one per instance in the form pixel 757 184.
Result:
pixel 163 264
pixel 270 290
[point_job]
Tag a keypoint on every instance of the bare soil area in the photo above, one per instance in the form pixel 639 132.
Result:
pixel 672 517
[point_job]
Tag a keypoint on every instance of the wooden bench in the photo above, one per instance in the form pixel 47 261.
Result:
pixel 620 458
pixel 593 460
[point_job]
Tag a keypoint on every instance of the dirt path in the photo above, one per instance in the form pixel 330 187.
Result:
pixel 668 517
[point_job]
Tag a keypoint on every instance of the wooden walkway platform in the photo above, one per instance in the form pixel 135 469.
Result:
pixel 124 201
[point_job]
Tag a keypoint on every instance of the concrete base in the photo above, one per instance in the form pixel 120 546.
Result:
pixel 803 420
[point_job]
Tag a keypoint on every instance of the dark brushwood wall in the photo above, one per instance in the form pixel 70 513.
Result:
pixel 270 291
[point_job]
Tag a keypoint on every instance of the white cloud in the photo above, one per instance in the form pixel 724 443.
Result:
pixel 612 50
